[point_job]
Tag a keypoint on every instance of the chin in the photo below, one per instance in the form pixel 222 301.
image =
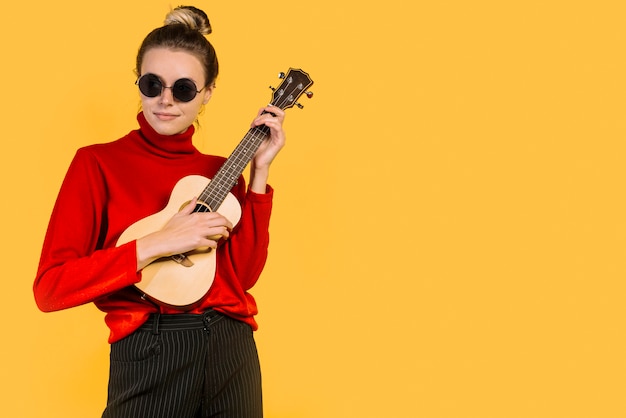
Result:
pixel 168 127
pixel 170 130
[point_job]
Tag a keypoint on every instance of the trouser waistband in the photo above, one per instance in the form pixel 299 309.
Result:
pixel 179 322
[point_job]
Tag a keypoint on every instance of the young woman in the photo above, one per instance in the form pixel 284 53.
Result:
pixel 164 362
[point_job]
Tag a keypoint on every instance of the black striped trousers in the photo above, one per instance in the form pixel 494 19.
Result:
pixel 186 366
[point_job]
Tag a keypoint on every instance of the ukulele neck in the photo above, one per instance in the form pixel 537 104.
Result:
pixel 228 175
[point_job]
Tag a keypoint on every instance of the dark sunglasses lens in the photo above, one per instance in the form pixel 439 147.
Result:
pixel 184 90
pixel 150 85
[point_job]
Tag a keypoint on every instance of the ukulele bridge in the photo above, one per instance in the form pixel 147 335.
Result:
pixel 182 259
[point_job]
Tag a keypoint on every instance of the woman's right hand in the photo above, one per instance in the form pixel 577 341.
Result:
pixel 185 231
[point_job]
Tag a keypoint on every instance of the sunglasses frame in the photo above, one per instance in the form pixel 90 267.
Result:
pixel 153 77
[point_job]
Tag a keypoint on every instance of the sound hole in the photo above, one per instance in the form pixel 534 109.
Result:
pixel 202 207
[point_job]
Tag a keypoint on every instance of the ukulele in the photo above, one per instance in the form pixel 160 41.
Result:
pixel 181 280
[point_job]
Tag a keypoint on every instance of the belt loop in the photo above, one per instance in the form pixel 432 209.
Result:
pixel 206 318
pixel 155 323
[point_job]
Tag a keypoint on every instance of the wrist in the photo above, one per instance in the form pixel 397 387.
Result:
pixel 258 178
pixel 147 249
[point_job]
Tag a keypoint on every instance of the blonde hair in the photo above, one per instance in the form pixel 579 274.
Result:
pixel 191 16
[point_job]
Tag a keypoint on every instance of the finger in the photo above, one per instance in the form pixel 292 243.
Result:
pixel 268 110
pixel 217 234
pixel 267 113
pixel 216 237
pixel 188 207
pixel 210 242
pixel 216 225
pixel 216 219
pixel 226 225
pixel 261 120
pixel 275 110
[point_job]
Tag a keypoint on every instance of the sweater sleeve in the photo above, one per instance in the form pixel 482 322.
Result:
pixel 74 268
pixel 248 247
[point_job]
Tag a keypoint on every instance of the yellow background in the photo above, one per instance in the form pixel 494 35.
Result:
pixel 449 228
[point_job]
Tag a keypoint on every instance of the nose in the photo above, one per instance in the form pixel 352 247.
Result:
pixel 166 96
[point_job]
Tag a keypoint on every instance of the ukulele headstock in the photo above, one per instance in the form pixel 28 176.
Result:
pixel 294 85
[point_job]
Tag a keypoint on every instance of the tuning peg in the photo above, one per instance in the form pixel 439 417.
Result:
pixel 309 94
pixel 281 75
pixel 272 88
pixel 299 105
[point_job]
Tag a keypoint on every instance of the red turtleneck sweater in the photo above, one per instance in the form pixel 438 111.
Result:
pixel 110 186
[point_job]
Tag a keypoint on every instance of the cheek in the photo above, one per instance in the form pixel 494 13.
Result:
pixel 145 101
pixel 192 109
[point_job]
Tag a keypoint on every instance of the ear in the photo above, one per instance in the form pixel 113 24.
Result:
pixel 208 92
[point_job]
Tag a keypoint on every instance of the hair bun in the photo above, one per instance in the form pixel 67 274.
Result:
pixel 190 16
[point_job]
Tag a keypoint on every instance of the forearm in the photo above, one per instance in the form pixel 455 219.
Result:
pixel 63 282
pixel 149 248
pixel 258 178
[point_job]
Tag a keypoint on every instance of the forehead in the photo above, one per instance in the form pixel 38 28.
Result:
pixel 171 65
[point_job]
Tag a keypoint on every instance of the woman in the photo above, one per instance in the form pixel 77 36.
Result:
pixel 164 362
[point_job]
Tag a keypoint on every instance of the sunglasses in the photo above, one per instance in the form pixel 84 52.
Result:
pixel 183 90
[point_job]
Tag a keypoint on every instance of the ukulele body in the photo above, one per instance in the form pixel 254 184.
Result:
pixel 179 284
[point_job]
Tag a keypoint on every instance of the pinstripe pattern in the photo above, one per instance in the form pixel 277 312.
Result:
pixel 186 366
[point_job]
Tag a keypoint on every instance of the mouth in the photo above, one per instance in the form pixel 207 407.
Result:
pixel 165 116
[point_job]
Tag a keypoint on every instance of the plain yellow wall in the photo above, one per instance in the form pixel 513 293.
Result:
pixel 449 229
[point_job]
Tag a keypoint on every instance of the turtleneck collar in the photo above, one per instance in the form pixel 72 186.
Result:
pixel 167 145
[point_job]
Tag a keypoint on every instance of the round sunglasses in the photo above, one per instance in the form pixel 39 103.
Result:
pixel 183 90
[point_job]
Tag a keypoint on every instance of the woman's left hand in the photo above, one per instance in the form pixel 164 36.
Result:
pixel 272 117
